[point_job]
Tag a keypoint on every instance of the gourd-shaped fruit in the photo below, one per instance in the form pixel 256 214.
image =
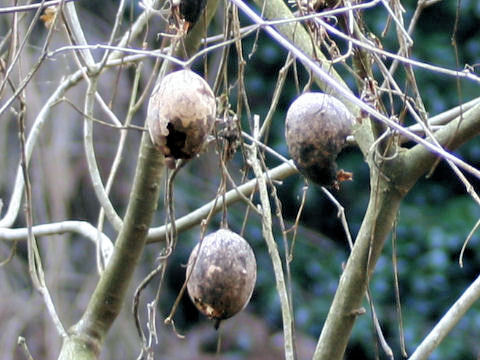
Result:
pixel 316 130
pixel 222 272
pixel 181 114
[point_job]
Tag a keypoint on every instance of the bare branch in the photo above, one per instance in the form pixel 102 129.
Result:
pixel 90 332
pixel 42 5
pixel 195 217
pixel 345 93
pixel 44 114
pixel 272 248
pixel 448 322
pixel 82 228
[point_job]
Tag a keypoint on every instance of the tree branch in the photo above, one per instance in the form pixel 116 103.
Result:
pixel 286 307
pixel 382 209
pixel 87 336
pixel 83 228
pixel 448 321
pixel 390 182
pixel 105 304
pixel 195 217
pixel 419 160
pixel 296 33
pixel 344 93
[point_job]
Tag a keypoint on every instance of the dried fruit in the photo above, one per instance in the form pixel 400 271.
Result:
pixel 48 16
pixel 223 275
pixel 186 13
pixel 316 130
pixel 181 114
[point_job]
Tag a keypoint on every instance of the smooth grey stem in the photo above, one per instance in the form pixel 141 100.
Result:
pixel 195 217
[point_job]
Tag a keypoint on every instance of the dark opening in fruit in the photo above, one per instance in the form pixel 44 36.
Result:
pixel 181 114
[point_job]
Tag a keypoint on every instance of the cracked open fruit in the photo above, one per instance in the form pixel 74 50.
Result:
pixel 316 130
pixel 181 114
pixel 222 272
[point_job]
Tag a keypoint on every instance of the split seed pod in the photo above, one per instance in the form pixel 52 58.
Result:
pixel 222 274
pixel 316 130
pixel 181 113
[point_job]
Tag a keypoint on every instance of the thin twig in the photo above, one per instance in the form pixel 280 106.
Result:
pixel 16 55
pixel 398 303
pixel 467 240
pixel 169 319
pixel 68 82
pixel 376 323
pixel 282 76
pixel 101 262
pixel 235 187
pixel 368 46
pixel 136 302
pixel 297 222
pixel 431 136
pixel 23 345
pixel 21 8
pixel 34 261
pixel 345 93
pixel 267 149
pixel 272 247
pixel 118 126
pixel 116 25
pixel 195 217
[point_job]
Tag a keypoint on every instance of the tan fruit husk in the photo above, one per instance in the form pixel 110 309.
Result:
pixel 181 114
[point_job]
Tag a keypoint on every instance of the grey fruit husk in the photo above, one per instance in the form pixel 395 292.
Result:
pixel 316 129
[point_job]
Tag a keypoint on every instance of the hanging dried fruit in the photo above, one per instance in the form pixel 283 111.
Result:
pixel 187 13
pixel 316 130
pixel 181 114
pixel 222 274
